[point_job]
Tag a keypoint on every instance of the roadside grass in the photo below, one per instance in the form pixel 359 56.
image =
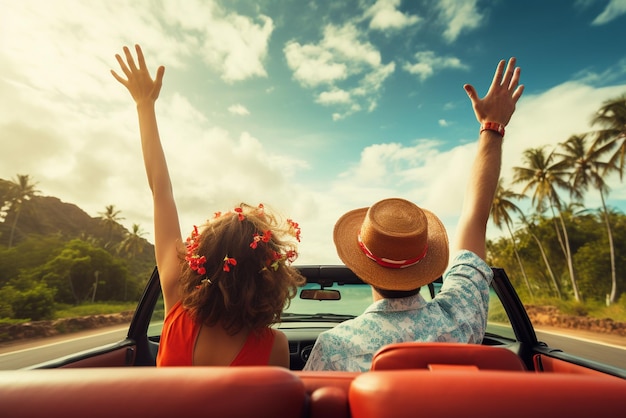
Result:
pixel 70 311
pixel 593 309
pixel 616 312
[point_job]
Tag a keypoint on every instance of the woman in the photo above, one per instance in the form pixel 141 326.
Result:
pixel 228 282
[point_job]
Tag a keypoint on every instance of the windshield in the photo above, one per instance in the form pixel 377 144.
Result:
pixel 355 298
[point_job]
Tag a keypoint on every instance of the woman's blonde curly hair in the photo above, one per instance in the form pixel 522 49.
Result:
pixel 252 293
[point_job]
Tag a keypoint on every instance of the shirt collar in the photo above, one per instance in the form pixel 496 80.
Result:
pixel 396 305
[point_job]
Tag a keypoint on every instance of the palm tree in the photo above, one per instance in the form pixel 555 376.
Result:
pixel 110 218
pixel 530 226
pixel 132 245
pixel 587 169
pixel 611 117
pixel 5 198
pixel 543 174
pixel 501 208
pixel 22 190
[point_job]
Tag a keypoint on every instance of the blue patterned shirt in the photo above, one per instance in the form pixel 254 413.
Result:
pixel 457 314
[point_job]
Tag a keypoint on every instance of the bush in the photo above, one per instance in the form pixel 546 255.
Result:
pixel 36 303
pixel 7 297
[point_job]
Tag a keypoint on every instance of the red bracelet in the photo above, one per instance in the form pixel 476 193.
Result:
pixel 492 126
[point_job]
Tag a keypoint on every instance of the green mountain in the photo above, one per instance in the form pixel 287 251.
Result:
pixel 48 215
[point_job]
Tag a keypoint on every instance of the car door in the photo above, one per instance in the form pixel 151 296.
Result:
pixel 134 350
pixel 538 355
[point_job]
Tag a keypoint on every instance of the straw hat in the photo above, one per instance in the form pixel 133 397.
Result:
pixel 393 245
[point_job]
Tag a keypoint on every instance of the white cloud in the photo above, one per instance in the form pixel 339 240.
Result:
pixel 613 10
pixel 333 97
pixel 384 15
pixel 313 65
pixel 609 76
pixel 458 16
pixel 230 43
pixel 46 45
pixel 389 169
pixel 342 54
pixel 443 122
pixel 238 109
pixel 426 63
pixel 350 110
pixel 373 80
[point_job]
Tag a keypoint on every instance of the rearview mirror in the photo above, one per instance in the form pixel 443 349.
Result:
pixel 320 294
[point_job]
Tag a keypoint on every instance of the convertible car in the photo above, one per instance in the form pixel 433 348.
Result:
pixel 510 374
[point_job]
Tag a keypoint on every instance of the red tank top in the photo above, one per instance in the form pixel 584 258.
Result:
pixel 179 335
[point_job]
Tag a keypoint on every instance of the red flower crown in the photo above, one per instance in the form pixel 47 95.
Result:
pixel 197 262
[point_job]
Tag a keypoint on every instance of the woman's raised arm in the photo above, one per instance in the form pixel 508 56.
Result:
pixel 167 236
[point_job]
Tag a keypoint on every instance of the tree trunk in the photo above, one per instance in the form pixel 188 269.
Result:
pixel 14 226
pixel 570 261
pixel 519 260
pixel 95 286
pixel 548 267
pixel 613 294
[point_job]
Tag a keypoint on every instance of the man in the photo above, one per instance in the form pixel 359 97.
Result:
pixel 397 247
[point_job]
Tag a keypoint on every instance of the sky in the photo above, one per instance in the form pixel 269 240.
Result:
pixel 313 108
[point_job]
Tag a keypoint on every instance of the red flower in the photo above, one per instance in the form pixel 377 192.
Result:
pixel 195 262
pixel 266 237
pixel 255 241
pixel 240 213
pixel 291 255
pixel 294 228
pixel 229 262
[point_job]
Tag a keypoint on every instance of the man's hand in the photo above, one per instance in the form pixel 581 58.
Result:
pixel 499 103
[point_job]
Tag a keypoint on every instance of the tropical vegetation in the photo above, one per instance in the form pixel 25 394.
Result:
pixel 53 256
pixel 562 248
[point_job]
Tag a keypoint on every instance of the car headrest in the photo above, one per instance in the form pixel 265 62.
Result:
pixel 152 392
pixel 418 355
pixel 490 393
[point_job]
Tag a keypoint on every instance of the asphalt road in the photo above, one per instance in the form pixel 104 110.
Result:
pixel 612 350
pixel 605 349
pixel 23 354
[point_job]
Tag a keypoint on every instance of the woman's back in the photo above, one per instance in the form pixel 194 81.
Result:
pixel 186 343
pixel 241 349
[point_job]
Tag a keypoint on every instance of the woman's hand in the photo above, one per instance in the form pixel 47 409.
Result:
pixel 141 86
